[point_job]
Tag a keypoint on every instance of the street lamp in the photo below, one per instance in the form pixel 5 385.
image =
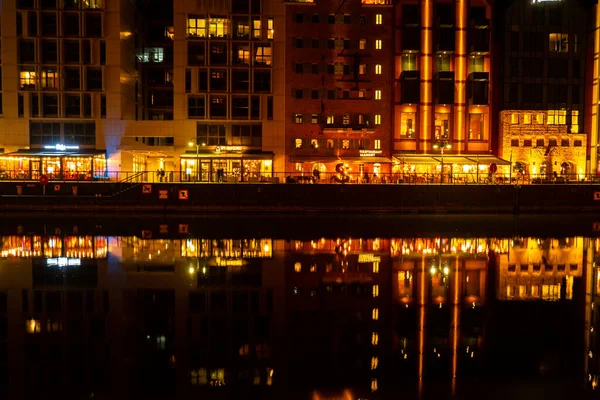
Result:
pixel 194 142
pixel 442 145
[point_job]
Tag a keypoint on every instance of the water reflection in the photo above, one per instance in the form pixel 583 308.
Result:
pixel 326 318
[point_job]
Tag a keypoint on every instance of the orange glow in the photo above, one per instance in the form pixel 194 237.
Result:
pixel 426 70
pixel 460 67
pixel 595 94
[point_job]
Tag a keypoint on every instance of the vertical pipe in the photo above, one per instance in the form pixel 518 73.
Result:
pixel 426 67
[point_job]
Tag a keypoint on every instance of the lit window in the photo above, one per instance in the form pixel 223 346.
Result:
pixel 476 64
pixel 378 69
pixel 377 147
pixel 298 143
pixel 378 44
pixel 218 27
pixel 539 119
pixel 375 290
pixel 557 117
pixel 93 3
pixel 262 55
pixel 33 326
pixel 361 119
pixel 409 62
pixel 196 27
pixel 298 266
pixel 377 94
pixel 376 267
pixel 574 121
pixel 361 93
pixel 514 119
pixel 314 118
pixel 362 69
pixel 378 19
pixel 330 119
pixel 346 119
pixel 199 377
pixel 527 119
pixel 270 29
pixel 256 29
pixel 27 79
pixel 375 314
pixel 559 42
pixel 362 44
pixel 345 144
pixel 50 78
pixel 377 119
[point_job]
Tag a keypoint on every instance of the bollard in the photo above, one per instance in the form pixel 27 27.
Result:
pixel 75 190
pixel 19 190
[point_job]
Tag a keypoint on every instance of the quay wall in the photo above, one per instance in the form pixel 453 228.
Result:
pixel 321 198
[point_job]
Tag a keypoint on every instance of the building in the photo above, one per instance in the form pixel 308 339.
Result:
pixel 99 88
pixel 544 87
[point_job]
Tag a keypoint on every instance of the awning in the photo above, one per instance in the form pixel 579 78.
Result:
pixel 54 153
pixel 247 155
pixel 469 159
pixel 353 160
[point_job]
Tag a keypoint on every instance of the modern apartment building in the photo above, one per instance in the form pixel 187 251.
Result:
pixel 94 87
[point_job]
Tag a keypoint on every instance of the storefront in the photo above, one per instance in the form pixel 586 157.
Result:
pixel 227 164
pixel 56 162
pixel 351 169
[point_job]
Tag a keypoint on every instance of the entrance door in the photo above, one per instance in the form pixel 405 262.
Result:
pixel 34 170
pixel 205 171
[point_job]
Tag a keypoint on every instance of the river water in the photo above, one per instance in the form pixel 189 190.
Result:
pixel 300 307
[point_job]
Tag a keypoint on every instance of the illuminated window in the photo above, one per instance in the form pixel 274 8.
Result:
pixel 377 94
pixel 346 119
pixel 313 268
pixel 314 118
pixel 50 78
pixel 270 29
pixel 559 42
pixel 256 29
pixel 514 118
pixel 557 117
pixel 298 266
pixel 377 144
pixel 409 62
pixel 378 44
pixel 375 290
pixel 33 326
pixel 218 27
pixel 375 314
pixel 27 78
pixel 262 55
pixel 378 69
pixel 362 44
pixel 196 27
pixel 574 121
pixel 378 19
pixel 407 127
pixel 539 119
pixel 298 143
pixel 345 144
pixel 330 119
pixel 362 69
pixel 93 3
pixel 377 119
pixel 527 119
pixel 376 267
pixel 476 64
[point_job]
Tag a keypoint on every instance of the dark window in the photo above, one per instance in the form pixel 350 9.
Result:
pixel 94 79
pixel 576 94
pixel 80 133
pixel 103 106
pixel 71 51
pixel 202 80
pixel 315 18
pixel 240 80
pixel 255 9
pixel 527 143
pixel 24 301
pixel 102 52
pixel 20 105
pixel 19 24
pixel 240 6
pixel 564 142
pixel 513 92
pixel 298 18
pixel 48 3
pixel 38 301
pixel 50 51
pixel 347 19
pixel 331 19
pixel 26 51
pixel 70 24
pixel 315 43
pixel 32 23
pixel 576 69
pixel 537 15
pixel 196 107
pixel 270 107
pixel 50 105
pixel 87 105
pixel 577 143
pixel 188 80
pixel 49 24
pixel 240 107
pixel 552 143
pixel 246 135
pixel 86 52
pixel 35 105
pixel 514 41
pixel 254 107
pixel 25 4
pixel 539 143
pixel 514 142
pixel 1 107
pixel 299 68
pixel 93 25
pixel 218 54
pixel 262 81
pixel 71 4
pixel 314 94
pixel 72 78
pixel 72 105
pixel 197 302
pixel 195 53
pixel 298 94
pixel 218 107
pixel 212 135
pixel 218 79
pixel 298 43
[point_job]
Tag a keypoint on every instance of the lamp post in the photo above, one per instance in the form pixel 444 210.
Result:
pixel 442 145
pixel 194 142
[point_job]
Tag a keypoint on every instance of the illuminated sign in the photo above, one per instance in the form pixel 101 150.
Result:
pixel 63 262
pixel 229 262
pixel 369 153
pixel 368 258
pixel 228 148
pixel 61 147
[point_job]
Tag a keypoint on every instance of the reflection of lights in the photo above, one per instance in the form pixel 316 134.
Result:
pixel 204 270
pixel 191 270
pixel 446 270
pixel 374 385
pixel 433 270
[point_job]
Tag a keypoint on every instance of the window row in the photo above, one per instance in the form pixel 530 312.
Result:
pixel 475 125
pixel 69 133
pixel 218 53
pixel 224 107
pixel 235 27
pixel 65 4
pixel 542 143
pixel 53 51
pixel 347 19
pixel 336 94
pixel 345 144
pixel 226 80
pixel 538 67
pixel 229 135
pixel 155 140
pixel 71 105
pixel 541 41
pixel 337 43
pixel 554 117
pixel 344 120
pixel 49 77
pixel 336 68
pixel 52 24
pixel 443 62
pixel 545 93
pixel 445 12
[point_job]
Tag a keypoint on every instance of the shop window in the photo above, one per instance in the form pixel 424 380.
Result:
pixel 48 24
pixel 476 64
pixel 246 135
pixel 49 51
pixel 476 126
pixel 539 143
pixel 49 77
pixel 378 69
pixel 94 79
pixel 298 118
pixel 196 107
pixel 256 29
pixel 218 80
pixel 564 143
pixel 378 19
pixel 196 27
pixel 514 142
pixel 574 121
pixel 559 42
pixel 71 51
pixel 298 143
pixel 218 107
pixel 270 29
pixel 262 81
pixel 26 51
pixel 218 54
pixel 407 125
pixel 72 106
pixel 240 107
pixel 212 135
pixel 442 126
pixel 514 119
pixel 27 78
pixel 240 80
pixel 196 53
pixel 262 54
pixel 93 24
pixel 218 27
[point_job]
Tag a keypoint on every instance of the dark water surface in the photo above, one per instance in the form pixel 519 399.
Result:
pixel 299 307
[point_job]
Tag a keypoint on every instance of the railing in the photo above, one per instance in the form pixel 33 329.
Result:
pixel 298 177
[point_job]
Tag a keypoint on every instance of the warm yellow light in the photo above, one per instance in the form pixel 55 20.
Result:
pixel 435 146
pixel 190 144
pixel 191 270
pixel 204 270
pixel 446 270
pixel 433 270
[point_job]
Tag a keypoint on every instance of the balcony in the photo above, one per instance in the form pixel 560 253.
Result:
pixel 444 87
pixel 478 89
pixel 479 38
pixel 349 129
pixel 410 90
pixel 445 40
pixel 411 39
